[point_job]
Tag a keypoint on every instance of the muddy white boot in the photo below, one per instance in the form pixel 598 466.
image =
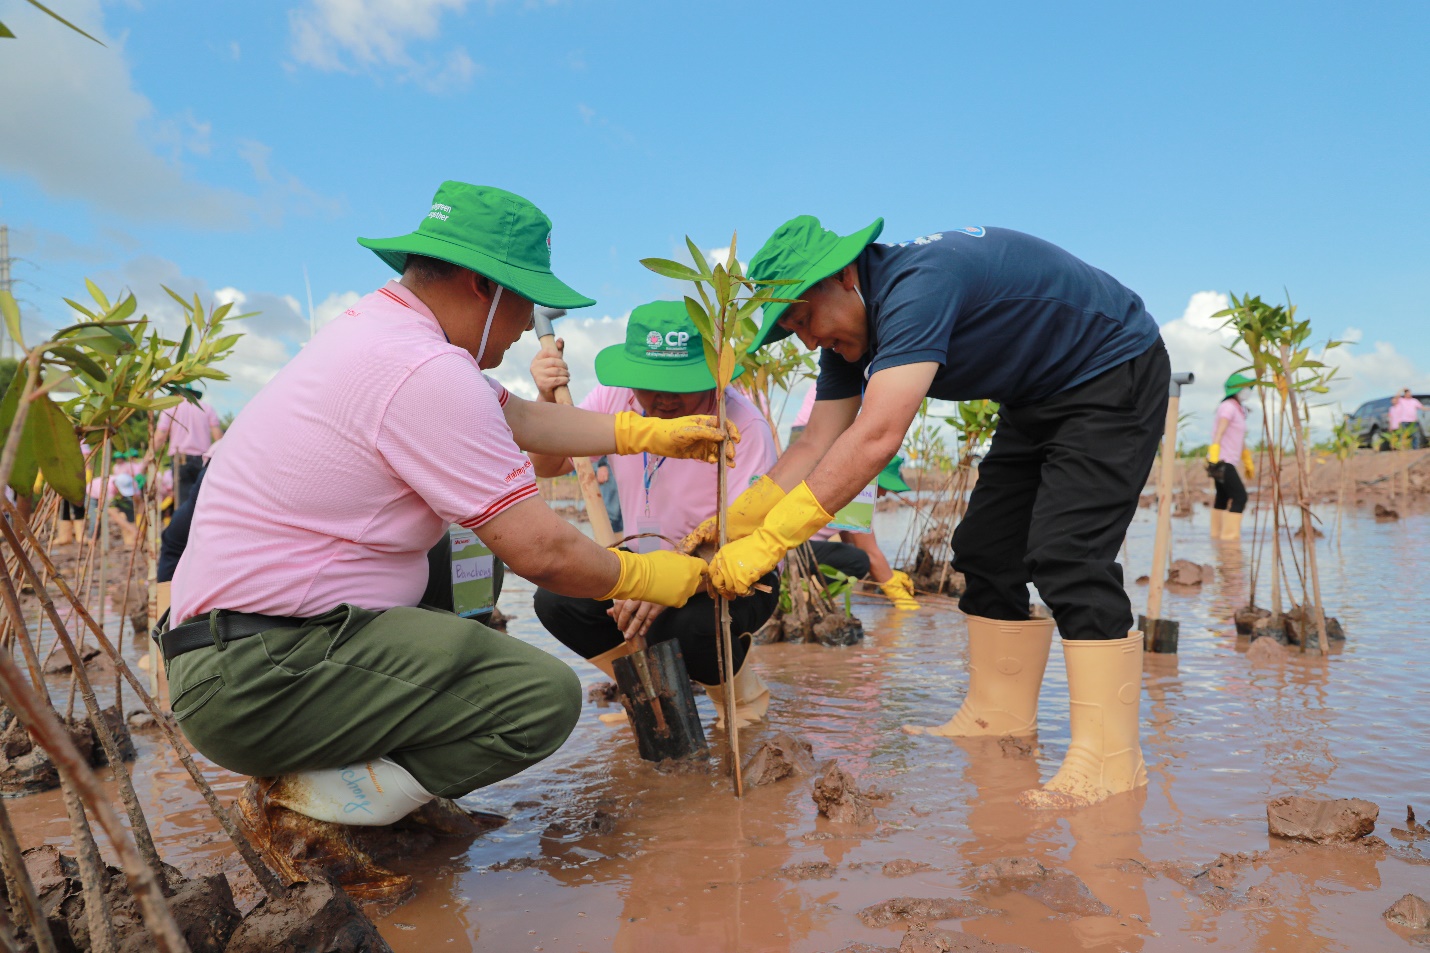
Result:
pixel 64 533
pixel 752 695
pixel 604 662
pixel 366 794
pixel 1231 525
pixel 1104 696
pixel 1218 518
pixel 1005 671
pixel 899 589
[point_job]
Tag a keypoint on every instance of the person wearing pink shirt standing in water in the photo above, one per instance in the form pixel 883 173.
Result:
pixel 1228 444
pixel 302 657
pixel 1405 414
pixel 190 430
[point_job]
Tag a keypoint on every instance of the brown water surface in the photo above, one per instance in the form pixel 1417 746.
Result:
pixel 605 853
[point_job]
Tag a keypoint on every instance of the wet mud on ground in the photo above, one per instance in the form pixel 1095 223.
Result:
pixel 603 852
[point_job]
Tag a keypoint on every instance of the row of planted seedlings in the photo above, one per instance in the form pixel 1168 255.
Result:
pixel 943 484
pixel 72 397
pixel 1289 371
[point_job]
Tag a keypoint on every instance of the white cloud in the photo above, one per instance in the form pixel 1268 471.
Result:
pixel 584 337
pixel 74 124
pixel 376 36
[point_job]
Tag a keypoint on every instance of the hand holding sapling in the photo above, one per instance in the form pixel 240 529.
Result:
pixel 697 437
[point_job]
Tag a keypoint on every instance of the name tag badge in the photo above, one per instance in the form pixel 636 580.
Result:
pixel 647 544
pixel 858 515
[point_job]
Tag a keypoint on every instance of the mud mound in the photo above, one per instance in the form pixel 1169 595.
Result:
pixel 603 693
pixel 1321 820
pixel 203 907
pixel 1058 890
pixel 838 798
pixel 1266 652
pixel 315 916
pixel 1409 911
pixel 899 909
pixel 24 766
pixel 809 870
pixel 1413 830
pixel 1184 572
pixel 903 867
pixel 780 756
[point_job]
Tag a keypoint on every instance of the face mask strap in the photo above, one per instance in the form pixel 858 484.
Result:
pixel 491 313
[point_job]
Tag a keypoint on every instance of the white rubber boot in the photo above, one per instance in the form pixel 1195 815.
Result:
pixel 1006 661
pixel 1218 517
pixel 366 794
pixel 606 663
pixel 752 695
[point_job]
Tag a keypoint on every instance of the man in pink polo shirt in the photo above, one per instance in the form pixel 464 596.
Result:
pixel 189 430
pixel 302 657
pixel 660 373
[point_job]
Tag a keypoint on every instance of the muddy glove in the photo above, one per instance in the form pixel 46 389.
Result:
pixel 1214 453
pixel 742 517
pixel 739 565
pixel 1248 464
pixel 691 438
pixel 663 577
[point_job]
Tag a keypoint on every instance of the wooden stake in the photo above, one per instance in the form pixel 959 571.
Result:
pixel 1164 513
pixel 722 607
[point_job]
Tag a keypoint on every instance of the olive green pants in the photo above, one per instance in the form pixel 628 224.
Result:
pixel 459 705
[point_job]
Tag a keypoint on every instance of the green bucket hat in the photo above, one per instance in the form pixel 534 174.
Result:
pixel 891 479
pixel 662 352
pixel 1236 382
pixel 491 232
pixel 807 252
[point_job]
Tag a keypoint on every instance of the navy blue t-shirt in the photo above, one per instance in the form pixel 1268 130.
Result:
pixel 1008 316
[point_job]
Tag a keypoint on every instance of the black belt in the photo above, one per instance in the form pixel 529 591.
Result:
pixel 224 626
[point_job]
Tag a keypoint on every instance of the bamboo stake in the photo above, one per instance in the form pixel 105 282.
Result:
pixel 137 822
pixel 722 607
pixel 1164 511
pixel 44 725
pixel 266 879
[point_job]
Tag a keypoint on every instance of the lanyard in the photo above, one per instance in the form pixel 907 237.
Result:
pixel 648 476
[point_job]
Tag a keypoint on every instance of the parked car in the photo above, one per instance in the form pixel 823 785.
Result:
pixel 1371 421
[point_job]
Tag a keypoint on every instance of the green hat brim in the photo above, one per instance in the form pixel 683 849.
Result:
pixel 539 287
pixel 616 368
pixel 842 253
pixel 892 482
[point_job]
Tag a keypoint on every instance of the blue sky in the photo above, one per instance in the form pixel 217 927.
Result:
pixel 1187 149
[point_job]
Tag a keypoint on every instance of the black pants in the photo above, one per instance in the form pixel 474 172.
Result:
pixel 189 466
pixel 846 557
pixel 1054 498
pixel 1230 491
pixel 583 626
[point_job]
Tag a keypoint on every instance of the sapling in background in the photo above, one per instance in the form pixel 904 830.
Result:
pixel 726 298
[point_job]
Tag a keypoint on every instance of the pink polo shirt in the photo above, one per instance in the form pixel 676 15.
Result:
pixel 801 419
pixel 1234 437
pixel 1404 410
pixel 347 467
pixel 189 427
pixel 681 493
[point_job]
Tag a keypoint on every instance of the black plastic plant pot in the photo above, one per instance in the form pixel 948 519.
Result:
pixel 1159 636
pixel 655 690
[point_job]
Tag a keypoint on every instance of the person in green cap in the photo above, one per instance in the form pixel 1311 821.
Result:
pixel 1078 367
pixel 1228 444
pixel 301 656
pixel 659 372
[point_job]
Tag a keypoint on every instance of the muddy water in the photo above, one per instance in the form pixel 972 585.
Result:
pixel 604 853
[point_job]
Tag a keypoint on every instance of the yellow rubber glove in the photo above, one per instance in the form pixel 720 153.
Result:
pixel 689 438
pixel 742 517
pixel 793 520
pixel 662 577
pixel 1214 453
pixel 1248 462
pixel 899 590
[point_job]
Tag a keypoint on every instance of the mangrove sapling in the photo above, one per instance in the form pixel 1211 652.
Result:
pixel 727 297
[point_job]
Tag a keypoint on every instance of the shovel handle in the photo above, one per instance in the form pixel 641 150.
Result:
pixel 585 473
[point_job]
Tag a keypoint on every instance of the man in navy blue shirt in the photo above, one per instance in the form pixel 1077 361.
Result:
pixel 1082 377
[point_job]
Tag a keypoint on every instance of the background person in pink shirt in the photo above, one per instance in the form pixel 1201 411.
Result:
pixel 660 373
pixel 1405 414
pixel 189 430
pixel 1228 444
pixel 303 658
